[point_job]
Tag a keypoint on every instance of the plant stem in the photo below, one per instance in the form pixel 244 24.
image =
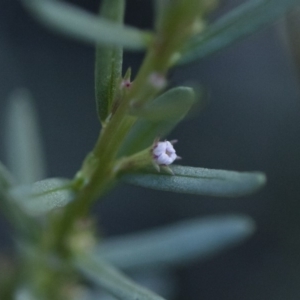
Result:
pixel 157 61
pixel 105 150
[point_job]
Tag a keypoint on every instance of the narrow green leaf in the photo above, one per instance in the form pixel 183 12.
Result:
pixel 112 280
pixel 108 69
pixel 84 26
pixel 43 196
pixel 176 244
pixel 237 24
pixel 200 181
pixel 159 118
pixel 171 105
pixel 25 153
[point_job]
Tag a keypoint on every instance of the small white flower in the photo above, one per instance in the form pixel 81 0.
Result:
pixel 164 153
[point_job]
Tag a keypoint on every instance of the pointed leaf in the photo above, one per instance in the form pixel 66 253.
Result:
pixel 200 181
pixel 76 23
pixel 112 280
pixel 24 147
pixel 43 196
pixel 237 24
pixel 176 244
pixel 108 69
pixel 171 105
pixel 159 118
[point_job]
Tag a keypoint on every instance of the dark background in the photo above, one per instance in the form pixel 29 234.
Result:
pixel 250 122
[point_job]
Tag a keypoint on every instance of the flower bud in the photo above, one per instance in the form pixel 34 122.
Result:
pixel 164 153
pixel 159 155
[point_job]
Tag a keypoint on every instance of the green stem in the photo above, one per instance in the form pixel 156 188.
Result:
pixel 157 61
pixel 106 149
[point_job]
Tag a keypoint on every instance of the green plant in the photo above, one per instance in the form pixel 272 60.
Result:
pixel 55 236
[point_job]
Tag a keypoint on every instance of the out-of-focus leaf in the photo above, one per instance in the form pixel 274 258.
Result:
pixel 108 69
pixel 177 244
pixel 159 118
pixel 8 207
pixel 162 281
pixel 6 179
pixel 24 294
pixel 43 196
pixel 237 24
pixel 200 181
pixel 112 280
pixel 103 295
pixel 6 182
pixel 76 23
pixel 23 143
